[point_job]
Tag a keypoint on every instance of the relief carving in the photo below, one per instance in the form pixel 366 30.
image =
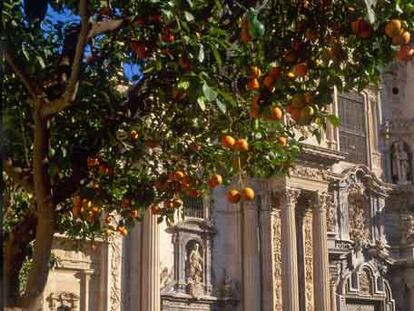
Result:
pixel 331 213
pixel 277 261
pixel 308 249
pixel 309 173
pixel 407 227
pixel 359 215
pixel 115 268
pixel 365 283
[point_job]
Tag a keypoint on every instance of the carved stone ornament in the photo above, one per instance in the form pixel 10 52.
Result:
pixel 194 272
pixel 277 260
pixel 365 282
pixel 308 249
pixel 64 301
pixel 309 173
pixel 407 227
pixel 115 273
pixel 331 213
pixel 400 163
pixel 359 215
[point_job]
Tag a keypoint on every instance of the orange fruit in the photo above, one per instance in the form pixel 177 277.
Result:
pixel 122 230
pixel 248 194
pixel 215 180
pixel 228 142
pixel 405 53
pixel 155 209
pixel 300 69
pixel 134 135
pixel 178 175
pixel 268 82
pixel 275 72
pixel 402 38
pixel 233 196
pixel 392 27
pixel 255 72
pixel 282 140
pixel 277 113
pixel 309 98
pixel 241 145
pixel 134 213
pixel 254 84
pixel 125 203
pixel 245 36
pixel 176 203
pixel 298 100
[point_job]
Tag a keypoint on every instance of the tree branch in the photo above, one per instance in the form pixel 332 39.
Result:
pixel 69 94
pixel 30 85
pixel 21 177
pixel 108 26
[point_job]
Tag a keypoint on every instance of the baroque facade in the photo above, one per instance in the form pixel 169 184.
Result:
pixel 336 234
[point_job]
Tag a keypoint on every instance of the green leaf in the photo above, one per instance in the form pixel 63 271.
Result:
pixel 334 120
pixel 209 93
pixel 216 54
pixel 221 106
pixel 201 55
pixel 201 102
pixel 188 16
pixel 41 62
pixel 370 10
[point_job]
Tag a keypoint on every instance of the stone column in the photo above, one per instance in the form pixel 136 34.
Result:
pixel 251 259
pixel 150 264
pixel 86 280
pixel 321 268
pixel 333 295
pixel 409 281
pixel 266 252
pixel 290 292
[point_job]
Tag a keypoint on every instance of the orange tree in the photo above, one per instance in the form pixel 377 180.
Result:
pixel 221 90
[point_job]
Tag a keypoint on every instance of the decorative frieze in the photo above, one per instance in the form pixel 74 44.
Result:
pixel 309 173
pixel 308 256
pixel 115 273
pixel 277 260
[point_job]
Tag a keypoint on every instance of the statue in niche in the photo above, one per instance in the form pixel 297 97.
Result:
pixel 407 228
pixel 358 215
pixel 400 164
pixel 194 271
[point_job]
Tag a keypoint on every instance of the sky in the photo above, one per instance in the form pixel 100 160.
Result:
pixel 131 70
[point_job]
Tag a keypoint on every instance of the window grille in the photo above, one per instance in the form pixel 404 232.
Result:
pixel 353 131
pixel 193 207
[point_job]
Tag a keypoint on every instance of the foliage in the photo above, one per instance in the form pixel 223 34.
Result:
pixel 209 68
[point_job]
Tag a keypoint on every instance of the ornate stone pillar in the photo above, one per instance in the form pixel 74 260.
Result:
pixel 150 274
pixel 333 295
pixel 308 265
pixel 290 292
pixel 251 259
pixel 321 268
pixel 86 280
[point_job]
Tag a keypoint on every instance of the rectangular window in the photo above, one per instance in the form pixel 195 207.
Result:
pixel 353 129
pixel 193 207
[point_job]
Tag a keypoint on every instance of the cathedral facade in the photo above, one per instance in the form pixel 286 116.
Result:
pixel 336 234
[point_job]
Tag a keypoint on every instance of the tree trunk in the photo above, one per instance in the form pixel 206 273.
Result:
pixel 15 252
pixel 45 228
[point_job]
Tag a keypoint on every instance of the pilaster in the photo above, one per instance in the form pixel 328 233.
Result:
pixel 290 292
pixel 321 269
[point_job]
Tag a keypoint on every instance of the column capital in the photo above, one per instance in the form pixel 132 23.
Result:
pixel 319 201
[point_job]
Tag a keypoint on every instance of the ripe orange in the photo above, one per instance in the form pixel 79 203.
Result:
pixel 255 72
pixel 134 135
pixel 405 53
pixel 277 113
pixel 268 82
pixel 402 38
pixel 300 69
pixel 215 180
pixel 282 140
pixel 233 196
pixel 178 175
pixel 241 145
pixel 228 142
pixel 155 209
pixel 275 72
pixel 134 213
pixel 298 100
pixel 248 194
pixel 176 203
pixel 254 84
pixel 245 36
pixel 125 203
pixel 392 27
pixel 122 230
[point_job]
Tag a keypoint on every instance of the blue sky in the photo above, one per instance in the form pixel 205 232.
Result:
pixel 67 17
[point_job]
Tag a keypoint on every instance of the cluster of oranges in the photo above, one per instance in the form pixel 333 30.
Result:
pixel 234 195
pixel 99 165
pixel 84 208
pixel 400 36
pixel 300 107
pixel 229 142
